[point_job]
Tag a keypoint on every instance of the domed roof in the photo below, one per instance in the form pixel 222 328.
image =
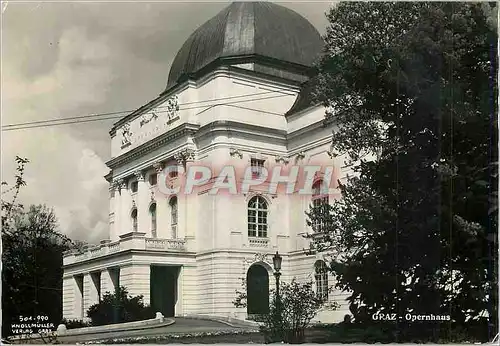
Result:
pixel 249 29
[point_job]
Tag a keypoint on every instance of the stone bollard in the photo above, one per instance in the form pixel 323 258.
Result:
pixel 61 329
pixel 159 316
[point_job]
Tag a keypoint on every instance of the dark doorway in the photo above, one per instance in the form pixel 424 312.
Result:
pixel 164 289
pixel 257 290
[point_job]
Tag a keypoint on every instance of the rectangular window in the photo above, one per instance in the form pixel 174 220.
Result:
pixel 257 223
pixel 257 167
pixel 134 186
pixel 321 207
pixel 153 179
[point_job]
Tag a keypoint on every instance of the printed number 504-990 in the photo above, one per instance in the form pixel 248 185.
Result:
pixel 30 318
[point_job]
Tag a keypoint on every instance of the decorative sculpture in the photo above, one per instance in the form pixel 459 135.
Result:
pixel 126 135
pixel 258 257
pixel 282 159
pixel 235 152
pixel 139 175
pixel 172 106
pixel 158 166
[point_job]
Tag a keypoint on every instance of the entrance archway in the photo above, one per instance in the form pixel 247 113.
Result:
pixel 257 290
pixel 163 289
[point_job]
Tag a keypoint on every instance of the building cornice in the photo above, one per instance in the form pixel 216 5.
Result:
pixel 242 128
pixel 298 69
pixel 199 81
pixel 307 147
pixel 127 260
pixel 318 125
pixel 290 116
pixel 143 149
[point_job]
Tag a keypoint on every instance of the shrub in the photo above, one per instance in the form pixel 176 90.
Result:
pixel 289 316
pixel 119 307
pixel 72 324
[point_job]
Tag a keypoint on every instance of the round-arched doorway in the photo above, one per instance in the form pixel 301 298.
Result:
pixel 257 290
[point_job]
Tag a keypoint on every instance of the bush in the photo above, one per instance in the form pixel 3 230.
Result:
pixel 72 324
pixel 119 307
pixel 291 315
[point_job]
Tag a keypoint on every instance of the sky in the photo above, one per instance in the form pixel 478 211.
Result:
pixel 67 59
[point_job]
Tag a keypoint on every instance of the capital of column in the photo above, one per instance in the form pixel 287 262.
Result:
pixel 158 166
pixel 300 156
pixel 115 185
pixel 121 184
pixel 184 156
pixel 139 175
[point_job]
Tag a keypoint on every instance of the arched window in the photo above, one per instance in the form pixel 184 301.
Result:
pixel 173 216
pixel 152 213
pixel 320 203
pixel 321 279
pixel 134 220
pixel 257 217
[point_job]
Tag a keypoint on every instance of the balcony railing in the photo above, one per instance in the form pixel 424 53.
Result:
pixel 258 242
pixel 130 241
pixel 165 244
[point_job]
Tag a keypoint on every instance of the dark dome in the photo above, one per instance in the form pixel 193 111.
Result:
pixel 249 29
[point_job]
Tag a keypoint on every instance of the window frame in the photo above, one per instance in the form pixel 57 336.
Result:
pixel 134 186
pixel 256 166
pixel 134 217
pixel 320 200
pixel 152 177
pixel 321 279
pixel 258 213
pixel 174 215
pixel 153 208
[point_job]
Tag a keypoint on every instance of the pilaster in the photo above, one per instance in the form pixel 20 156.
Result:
pixel 68 297
pixel 125 208
pixel 78 290
pixel 143 200
pixel 94 289
pixel 185 158
pixel 106 283
pixel 136 278
pixel 87 299
pixel 115 202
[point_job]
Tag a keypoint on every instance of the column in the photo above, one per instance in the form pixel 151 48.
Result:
pixel 125 209
pixel 106 282
pixel 112 214
pixel 78 294
pixel 162 210
pixel 68 297
pixel 185 157
pixel 95 288
pixel 117 218
pixel 143 201
pixel 87 285
pixel 136 279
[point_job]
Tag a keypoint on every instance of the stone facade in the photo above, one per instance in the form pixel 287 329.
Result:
pixel 198 245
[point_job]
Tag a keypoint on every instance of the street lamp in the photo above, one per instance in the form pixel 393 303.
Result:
pixel 277 267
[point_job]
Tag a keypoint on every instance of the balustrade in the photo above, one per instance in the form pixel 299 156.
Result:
pixel 127 242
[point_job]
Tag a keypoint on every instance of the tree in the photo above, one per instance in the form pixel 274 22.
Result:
pixel 32 267
pixel 9 207
pixel 31 259
pixel 289 316
pixel 412 90
pixel 119 307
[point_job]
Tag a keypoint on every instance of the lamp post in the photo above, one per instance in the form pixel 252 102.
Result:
pixel 277 267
